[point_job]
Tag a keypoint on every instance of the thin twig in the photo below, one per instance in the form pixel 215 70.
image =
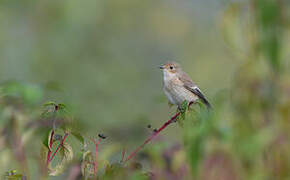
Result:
pixel 96 160
pixel 173 118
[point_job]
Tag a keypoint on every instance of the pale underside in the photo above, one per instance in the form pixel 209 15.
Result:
pixel 175 91
pixel 177 95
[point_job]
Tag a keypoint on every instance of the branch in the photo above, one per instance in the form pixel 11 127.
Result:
pixel 97 151
pixel 123 154
pixel 173 119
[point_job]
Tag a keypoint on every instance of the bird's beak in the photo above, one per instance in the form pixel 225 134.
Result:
pixel 161 67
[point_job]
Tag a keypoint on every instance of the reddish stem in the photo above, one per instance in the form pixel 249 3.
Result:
pixel 50 147
pixel 173 118
pixel 123 154
pixel 96 160
pixel 51 138
pixel 58 147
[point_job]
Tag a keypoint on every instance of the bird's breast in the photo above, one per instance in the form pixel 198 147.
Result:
pixel 176 92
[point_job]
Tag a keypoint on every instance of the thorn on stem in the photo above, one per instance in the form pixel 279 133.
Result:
pixel 189 104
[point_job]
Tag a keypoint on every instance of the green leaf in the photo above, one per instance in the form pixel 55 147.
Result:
pixel 67 152
pixel 78 136
pixel 28 93
pixel 138 176
pixel 87 167
pixel 182 110
pixel 66 156
pixel 49 110
pixel 113 169
pixel 46 138
pixel 49 103
pixel 43 153
pixel 32 94
pixel 12 175
pixel 62 106
pixel 49 139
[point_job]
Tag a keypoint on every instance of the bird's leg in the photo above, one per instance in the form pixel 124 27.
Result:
pixel 179 109
pixel 189 104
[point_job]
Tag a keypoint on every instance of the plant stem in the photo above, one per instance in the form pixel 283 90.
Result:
pixel 96 160
pixel 58 147
pixel 51 135
pixel 173 118
pixel 123 154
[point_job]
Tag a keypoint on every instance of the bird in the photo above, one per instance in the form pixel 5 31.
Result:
pixel 178 86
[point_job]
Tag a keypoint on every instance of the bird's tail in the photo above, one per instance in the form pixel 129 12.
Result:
pixel 205 101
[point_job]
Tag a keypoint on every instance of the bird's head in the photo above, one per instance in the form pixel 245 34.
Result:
pixel 170 67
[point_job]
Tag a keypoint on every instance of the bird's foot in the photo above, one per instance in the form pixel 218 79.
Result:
pixel 189 104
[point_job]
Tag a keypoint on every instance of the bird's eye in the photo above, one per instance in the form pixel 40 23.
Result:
pixel 171 67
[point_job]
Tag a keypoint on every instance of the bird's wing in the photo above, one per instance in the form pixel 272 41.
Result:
pixel 192 87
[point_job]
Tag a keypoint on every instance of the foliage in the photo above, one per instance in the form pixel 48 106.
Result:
pixel 244 136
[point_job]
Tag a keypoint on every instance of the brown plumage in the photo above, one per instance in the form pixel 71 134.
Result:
pixel 178 86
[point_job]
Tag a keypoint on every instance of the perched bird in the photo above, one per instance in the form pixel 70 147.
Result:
pixel 178 86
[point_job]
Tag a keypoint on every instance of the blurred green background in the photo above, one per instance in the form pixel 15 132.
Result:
pixel 104 55
pixel 101 58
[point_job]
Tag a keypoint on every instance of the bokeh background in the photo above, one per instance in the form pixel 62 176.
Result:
pixel 101 59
